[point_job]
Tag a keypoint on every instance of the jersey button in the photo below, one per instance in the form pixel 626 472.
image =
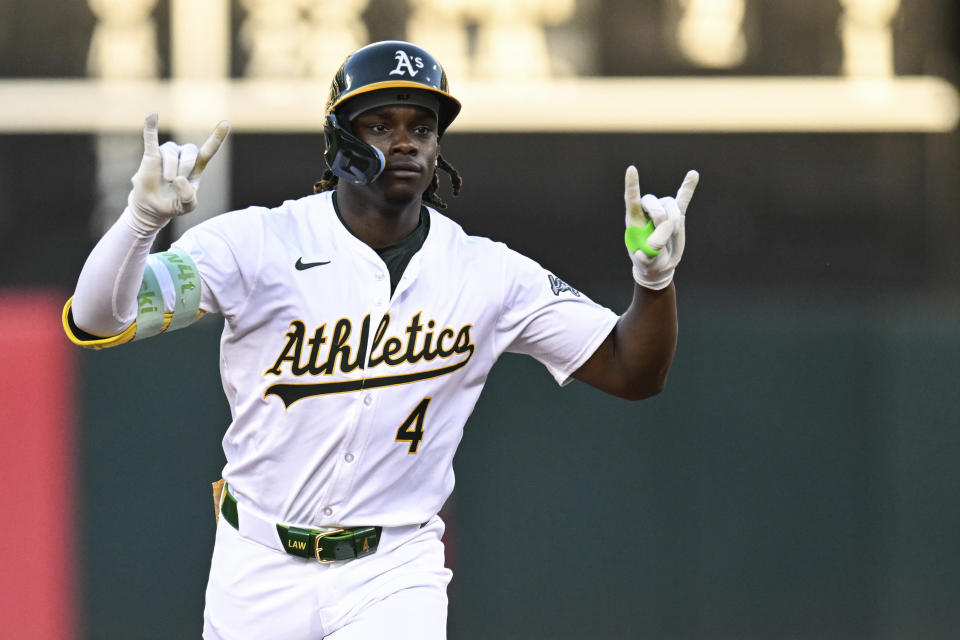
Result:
pixel 378 275
pixel 327 511
pixel 348 457
pixel 368 399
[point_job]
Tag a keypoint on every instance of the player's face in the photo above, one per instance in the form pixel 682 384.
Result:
pixel 407 136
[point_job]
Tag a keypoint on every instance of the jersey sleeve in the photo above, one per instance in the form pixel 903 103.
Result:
pixel 228 252
pixel 544 317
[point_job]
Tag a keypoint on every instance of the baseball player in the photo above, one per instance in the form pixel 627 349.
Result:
pixel 360 324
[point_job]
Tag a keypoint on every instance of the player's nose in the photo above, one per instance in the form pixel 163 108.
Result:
pixel 402 142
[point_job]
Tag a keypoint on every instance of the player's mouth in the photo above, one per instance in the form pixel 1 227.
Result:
pixel 404 169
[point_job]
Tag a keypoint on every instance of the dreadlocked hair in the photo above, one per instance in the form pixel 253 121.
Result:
pixel 328 182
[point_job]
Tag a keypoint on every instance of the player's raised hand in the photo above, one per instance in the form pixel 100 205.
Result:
pixel 165 185
pixel 656 234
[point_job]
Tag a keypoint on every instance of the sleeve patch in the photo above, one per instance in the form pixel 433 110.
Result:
pixel 558 286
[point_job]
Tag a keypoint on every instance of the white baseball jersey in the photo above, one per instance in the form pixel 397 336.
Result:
pixel 348 403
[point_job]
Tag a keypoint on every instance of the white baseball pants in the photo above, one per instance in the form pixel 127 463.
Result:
pixel 400 592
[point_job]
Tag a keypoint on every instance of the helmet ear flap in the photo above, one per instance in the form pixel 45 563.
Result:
pixel 349 157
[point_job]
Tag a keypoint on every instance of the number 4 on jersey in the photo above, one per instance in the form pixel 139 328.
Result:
pixel 412 428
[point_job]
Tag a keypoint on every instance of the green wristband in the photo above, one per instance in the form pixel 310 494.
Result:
pixel 636 239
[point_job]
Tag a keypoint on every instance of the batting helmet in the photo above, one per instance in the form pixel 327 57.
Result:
pixel 399 72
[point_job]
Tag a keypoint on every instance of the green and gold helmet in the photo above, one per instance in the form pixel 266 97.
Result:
pixel 395 68
pixel 388 72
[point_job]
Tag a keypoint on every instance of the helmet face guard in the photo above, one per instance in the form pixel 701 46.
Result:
pixel 391 65
pixel 349 157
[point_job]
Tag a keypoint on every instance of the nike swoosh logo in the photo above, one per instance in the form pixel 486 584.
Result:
pixel 301 265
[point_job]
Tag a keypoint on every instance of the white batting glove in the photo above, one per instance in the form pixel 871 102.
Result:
pixel 655 232
pixel 165 185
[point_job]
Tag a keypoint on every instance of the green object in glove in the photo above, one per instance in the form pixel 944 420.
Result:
pixel 636 239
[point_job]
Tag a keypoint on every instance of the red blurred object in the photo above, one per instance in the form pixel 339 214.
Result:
pixel 37 499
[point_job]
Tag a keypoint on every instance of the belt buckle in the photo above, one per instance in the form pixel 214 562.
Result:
pixel 317 548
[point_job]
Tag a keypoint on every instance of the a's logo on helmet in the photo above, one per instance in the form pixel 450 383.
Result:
pixel 404 65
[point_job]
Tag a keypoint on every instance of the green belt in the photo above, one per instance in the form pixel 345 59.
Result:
pixel 322 546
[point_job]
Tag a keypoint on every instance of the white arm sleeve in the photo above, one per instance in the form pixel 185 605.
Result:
pixel 105 300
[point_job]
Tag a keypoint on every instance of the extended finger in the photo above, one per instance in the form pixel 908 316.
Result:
pixel 631 198
pixel 150 162
pixel 170 153
pixel 210 147
pixel 151 142
pixel 188 158
pixel 685 193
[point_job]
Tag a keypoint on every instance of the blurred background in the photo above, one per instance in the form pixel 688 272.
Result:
pixel 797 479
